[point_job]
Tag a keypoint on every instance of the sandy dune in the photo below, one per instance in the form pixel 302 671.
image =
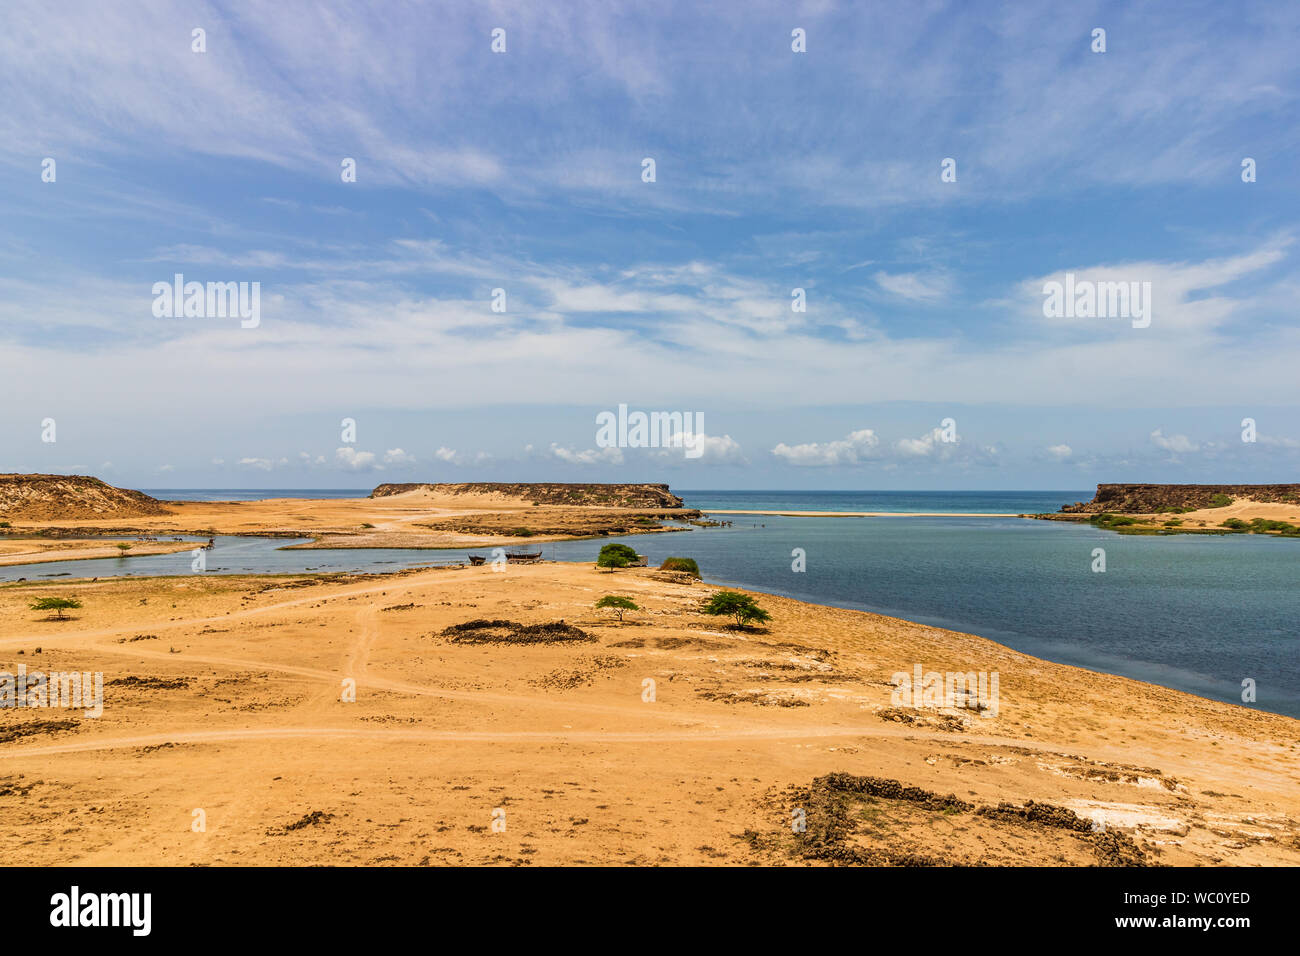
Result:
pixel 223 695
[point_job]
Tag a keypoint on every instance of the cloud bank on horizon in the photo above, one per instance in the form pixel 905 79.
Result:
pixel 843 241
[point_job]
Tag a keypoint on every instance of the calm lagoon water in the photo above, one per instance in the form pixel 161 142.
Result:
pixel 1198 613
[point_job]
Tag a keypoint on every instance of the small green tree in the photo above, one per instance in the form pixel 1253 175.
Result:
pixel 56 604
pixel 740 606
pixel 123 548
pixel 618 604
pixel 615 556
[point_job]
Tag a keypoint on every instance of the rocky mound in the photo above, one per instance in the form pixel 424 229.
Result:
pixel 550 493
pixel 1149 499
pixel 71 497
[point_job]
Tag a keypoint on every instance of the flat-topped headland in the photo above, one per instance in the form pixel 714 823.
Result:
pixel 548 493
pixel 53 508
pixel 1189 509
pixel 1154 499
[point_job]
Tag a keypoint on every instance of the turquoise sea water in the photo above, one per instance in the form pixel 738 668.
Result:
pixel 974 502
pixel 1197 613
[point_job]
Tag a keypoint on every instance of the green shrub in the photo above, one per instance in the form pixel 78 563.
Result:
pixel 740 606
pixel 1266 524
pixel 1220 500
pixel 1108 520
pixel 681 564
pixel 1236 524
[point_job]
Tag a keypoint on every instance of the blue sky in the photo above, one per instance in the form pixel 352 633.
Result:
pixel 775 170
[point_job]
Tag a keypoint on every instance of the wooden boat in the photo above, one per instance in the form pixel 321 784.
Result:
pixel 522 556
pixel 476 559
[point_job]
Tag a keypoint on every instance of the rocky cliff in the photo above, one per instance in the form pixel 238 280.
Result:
pixel 1148 499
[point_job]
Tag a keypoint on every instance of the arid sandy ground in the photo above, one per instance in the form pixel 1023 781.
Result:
pixel 1202 519
pixel 1243 508
pixel 416 519
pixel 223 696
pixel 37 550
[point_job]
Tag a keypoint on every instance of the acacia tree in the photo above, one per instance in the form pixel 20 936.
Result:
pixel 618 604
pixel 740 606
pixel 56 604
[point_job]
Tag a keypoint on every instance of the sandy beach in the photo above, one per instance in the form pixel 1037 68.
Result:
pixel 223 708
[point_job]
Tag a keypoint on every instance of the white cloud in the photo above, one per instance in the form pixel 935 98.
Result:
pixel 707 449
pixel 915 286
pixel 1060 452
pixel 857 447
pixel 1177 444
pixel 348 457
pixel 395 456
pixel 921 447
pixel 591 456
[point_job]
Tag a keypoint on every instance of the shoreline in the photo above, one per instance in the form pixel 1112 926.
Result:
pixel 1098 668
pixel 223 671
pixel 139 549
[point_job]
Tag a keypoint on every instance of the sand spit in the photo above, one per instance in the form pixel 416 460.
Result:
pixel 874 514
pixel 416 516
pixel 670 739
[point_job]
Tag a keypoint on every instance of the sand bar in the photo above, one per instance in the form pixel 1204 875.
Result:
pixel 871 514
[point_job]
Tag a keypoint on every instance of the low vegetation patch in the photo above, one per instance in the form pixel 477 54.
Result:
pixel 681 564
pixel 848 817
pixel 511 632
pixel 32 728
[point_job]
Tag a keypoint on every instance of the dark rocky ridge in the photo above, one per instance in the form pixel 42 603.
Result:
pixel 550 493
pixel 1149 499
